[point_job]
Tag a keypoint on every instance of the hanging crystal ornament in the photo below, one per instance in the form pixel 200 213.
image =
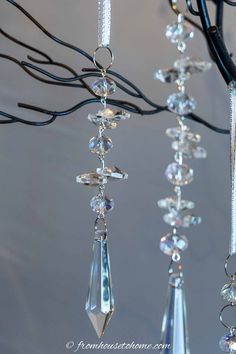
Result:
pixel 185 144
pixel 174 326
pixel 100 302
pixel 228 292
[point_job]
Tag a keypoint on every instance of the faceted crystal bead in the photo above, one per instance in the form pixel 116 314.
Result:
pixel 112 173
pixel 167 75
pixel 108 117
pixel 173 203
pixel 177 132
pixel 100 302
pixel 104 87
pixel 179 175
pixel 200 153
pixel 91 179
pixel 174 326
pixel 228 292
pixel 190 220
pixel 178 219
pixel 179 32
pixel 228 343
pixel 101 204
pixel 181 104
pixel 100 145
pixel 173 242
pixel 184 146
pixel 191 65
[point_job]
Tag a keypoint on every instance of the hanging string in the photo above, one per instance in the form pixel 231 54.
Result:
pixel 232 88
pixel 104 23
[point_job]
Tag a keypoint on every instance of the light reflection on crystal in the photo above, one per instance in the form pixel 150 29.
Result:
pixel 100 302
pixel 174 326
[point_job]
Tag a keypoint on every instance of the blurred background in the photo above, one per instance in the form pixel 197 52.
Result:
pixel 46 223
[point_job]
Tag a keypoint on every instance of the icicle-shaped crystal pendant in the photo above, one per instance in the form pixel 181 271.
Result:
pixel 174 325
pixel 100 303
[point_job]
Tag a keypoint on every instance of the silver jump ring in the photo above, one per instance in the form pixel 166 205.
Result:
pixel 175 267
pixel 230 276
pixel 97 65
pixel 173 4
pixel 100 225
pixel 231 328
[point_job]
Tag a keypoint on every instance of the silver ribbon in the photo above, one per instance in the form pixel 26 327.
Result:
pixel 232 88
pixel 104 23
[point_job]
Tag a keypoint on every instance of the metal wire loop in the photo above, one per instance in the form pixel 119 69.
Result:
pixel 100 226
pixel 231 328
pixel 98 66
pixel 175 267
pixel 173 4
pixel 230 276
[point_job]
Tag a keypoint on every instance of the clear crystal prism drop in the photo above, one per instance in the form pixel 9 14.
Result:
pixel 100 302
pixel 174 325
pixel 181 104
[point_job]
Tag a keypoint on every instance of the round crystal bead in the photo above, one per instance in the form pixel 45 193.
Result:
pixel 228 292
pixel 101 204
pixel 181 104
pixel 228 343
pixel 104 87
pixel 171 243
pixel 100 145
pixel 179 175
pixel 200 153
pixel 179 32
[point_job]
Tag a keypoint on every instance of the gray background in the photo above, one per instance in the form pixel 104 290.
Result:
pixel 46 222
